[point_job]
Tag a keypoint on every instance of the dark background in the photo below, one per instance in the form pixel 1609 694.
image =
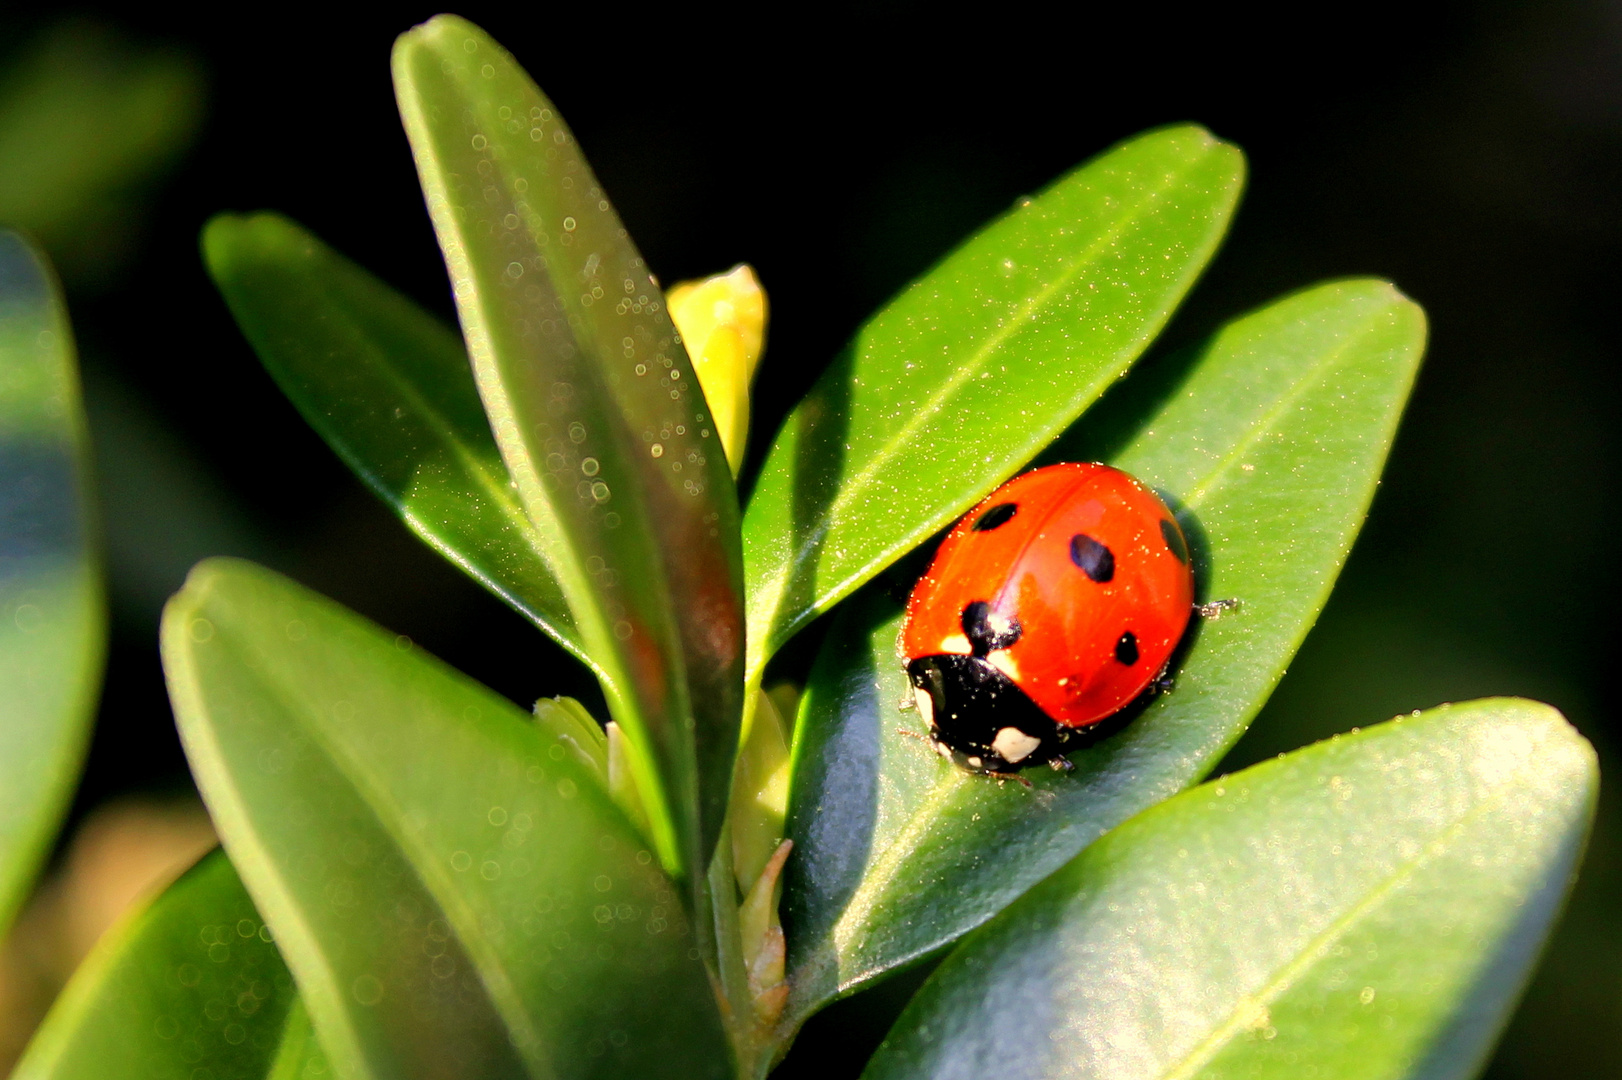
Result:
pixel 1470 152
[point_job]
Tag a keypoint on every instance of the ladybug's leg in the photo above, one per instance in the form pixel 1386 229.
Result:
pixel 1216 608
pixel 1061 764
pixel 1009 776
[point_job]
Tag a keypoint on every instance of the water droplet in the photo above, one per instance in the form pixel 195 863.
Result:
pixel 600 492
pixel 480 142
pixel 590 466
pixel 201 629
pixel 515 270
pixel 577 433
pixel 658 449
pixel 568 224
pixel 504 113
pixel 622 630
pixel 368 990
pixel 488 71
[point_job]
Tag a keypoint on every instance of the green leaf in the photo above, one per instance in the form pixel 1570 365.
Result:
pixel 1369 907
pixel 1268 442
pixel 189 987
pixel 53 623
pixel 598 415
pixel 972 370
pixel 389 387
pixel 447 877
pixel 86 120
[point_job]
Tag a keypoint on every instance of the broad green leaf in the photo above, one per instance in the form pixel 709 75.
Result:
pixel 597 413
pixel 976 367
pixel 189 987
pixel 1367 908
pixel 53 623
pixel 389 387
pixel 1269 446
pixel 448 878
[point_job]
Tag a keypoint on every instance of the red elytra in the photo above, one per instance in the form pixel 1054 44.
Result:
pixel 1049 607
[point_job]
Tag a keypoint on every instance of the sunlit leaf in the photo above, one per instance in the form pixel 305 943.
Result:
pixel 447 876
pixel 52 612
pixel 597 413
pixel 972 370
pixel 389 387
pixel 1268 443
pixel 1364 909
pixel 190 987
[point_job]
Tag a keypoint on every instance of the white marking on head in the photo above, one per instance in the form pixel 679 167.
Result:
pixel 1014 745
pixel 975 763
pixel 926 704
pixel 998 623
pixel 943 750
pixel 956 643
pixel 1004 663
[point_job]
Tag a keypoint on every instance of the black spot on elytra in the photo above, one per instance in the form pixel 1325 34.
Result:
pixel 996 517
pixel 983 637
pixel 1126 648
pixel 1095 560
pixel 1174 540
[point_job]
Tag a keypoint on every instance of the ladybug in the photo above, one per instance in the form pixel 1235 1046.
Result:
pixel 1051 606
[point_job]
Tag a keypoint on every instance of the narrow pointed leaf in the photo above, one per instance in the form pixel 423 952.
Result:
pixel 388 386
pixel 190 987
pixel 449 881
pixel 976 367
pixel 52 612
pixel 1268 444
pixel 597 413
pixel 1366 909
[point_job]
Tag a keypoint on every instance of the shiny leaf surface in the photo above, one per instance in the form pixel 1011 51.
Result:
pixel 447 877
pixel 192 986
pixel 1365 909
pixel 597 413
pixel 389 388
pixel 976 367
pixel 1268 443
pixel 52 612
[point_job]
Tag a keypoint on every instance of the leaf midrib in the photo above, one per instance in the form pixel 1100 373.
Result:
pixel 977 359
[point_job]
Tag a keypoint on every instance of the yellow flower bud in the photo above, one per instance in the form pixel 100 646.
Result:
pixel 722 322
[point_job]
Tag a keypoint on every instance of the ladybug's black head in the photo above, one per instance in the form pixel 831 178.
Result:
pixel 978 717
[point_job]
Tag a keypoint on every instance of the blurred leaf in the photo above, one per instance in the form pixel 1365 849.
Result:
pixel 189 987
pixel 389 388
pixel 85 120
pixel 449 881
pixel 597 413
pixel 53 622
pixel 1268 443
pixel 972 370
pixel 299 1057
pixel 1369 907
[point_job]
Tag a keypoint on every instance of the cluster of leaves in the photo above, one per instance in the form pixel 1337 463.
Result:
pixel 420 879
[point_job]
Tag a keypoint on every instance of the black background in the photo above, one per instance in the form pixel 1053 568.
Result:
pixel 1469 152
